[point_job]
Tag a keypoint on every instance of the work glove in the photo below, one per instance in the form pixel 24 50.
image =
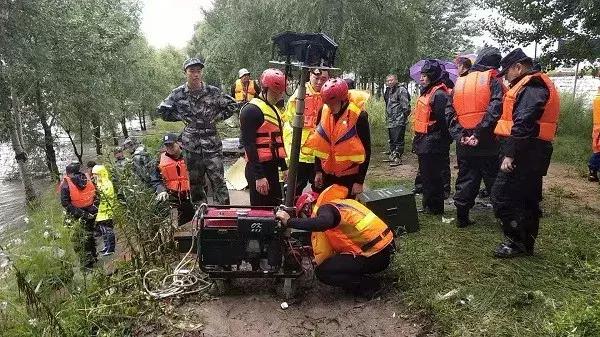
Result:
pixel 162 196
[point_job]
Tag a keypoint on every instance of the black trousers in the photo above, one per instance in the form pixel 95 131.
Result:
pixel 431 168
pixel 446 175
pixel 353 272
pixel 471 170
pixel 396 135
pixel 185 210
pixel 516 199
pixel 274 197
pixel 306 174
pixel 84 242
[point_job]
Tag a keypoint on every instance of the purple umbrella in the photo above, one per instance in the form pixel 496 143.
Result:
pixel 449 67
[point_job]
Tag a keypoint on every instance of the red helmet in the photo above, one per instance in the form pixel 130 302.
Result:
pixel 304 203
pixel 335 89
pixel 273 79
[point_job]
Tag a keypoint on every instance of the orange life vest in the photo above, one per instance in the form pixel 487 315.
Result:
pixel 549 119
pixel 360 232
pixel 312 106
pixel 471 97
pixel 269 143
pixel 423 109
pixel 337 143
pixel 174 173
pixel 596 121
pixel 242 95
pixel 81 198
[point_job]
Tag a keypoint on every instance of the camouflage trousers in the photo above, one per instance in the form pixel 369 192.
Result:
pixel 201 167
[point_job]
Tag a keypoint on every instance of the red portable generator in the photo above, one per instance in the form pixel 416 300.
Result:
pixel 247 242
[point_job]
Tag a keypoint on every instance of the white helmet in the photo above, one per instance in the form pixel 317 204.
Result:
pixel 243 72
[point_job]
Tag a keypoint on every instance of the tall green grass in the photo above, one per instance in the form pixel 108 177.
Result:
pixel 572 144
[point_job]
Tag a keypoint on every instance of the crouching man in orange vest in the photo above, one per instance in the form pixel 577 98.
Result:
pixel 171 179
pixel 526 129
pixel 350 242
pixel 341 142
pixel 78 197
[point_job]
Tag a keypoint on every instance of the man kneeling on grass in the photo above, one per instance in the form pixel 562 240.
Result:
pixel 349 241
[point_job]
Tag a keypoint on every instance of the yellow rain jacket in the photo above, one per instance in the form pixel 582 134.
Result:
pixel 106 193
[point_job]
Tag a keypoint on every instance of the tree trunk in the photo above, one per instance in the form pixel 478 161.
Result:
pixel 48 139
pixel 113 135
pixel 124 127
pixel 16 137
pixel 142 118
pixel 77 154
pixel 96 134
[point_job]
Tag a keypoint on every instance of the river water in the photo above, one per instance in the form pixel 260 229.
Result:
pixel 12 197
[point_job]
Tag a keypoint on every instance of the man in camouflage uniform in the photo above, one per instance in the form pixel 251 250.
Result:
pixel 118 171
pixel 141 160
pixel 200 106
pixel 397 107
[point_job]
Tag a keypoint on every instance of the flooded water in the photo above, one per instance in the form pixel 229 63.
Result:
pixel 12 197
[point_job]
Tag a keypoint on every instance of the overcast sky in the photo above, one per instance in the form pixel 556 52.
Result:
pixel 171 22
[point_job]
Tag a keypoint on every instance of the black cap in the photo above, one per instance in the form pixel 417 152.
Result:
pixel 73 167
pixel 170 138
pixel 432 69
pixel 511 59
pixel 194 61
pixel 489 57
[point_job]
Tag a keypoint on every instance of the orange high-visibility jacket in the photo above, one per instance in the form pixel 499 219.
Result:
pixel 549 119
pixel 81 198
pixel 269 143
pixel 423 109
pixel 174 173
pixel 360 232
pixel 596 121
pixel 337 143
pixel 471 97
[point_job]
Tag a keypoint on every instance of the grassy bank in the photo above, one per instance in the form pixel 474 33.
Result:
pixel 554 293
pixel 451 274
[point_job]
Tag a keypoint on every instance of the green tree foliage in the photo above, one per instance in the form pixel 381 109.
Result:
pixel 375 37
pixel 82 65
pixel 571 25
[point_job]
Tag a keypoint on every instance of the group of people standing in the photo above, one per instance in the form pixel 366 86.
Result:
pixel 503 136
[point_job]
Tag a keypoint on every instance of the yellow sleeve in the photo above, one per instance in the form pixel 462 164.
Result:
pixel 290 109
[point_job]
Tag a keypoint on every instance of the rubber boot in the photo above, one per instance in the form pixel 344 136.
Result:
pixel 593 175
pixel 462 217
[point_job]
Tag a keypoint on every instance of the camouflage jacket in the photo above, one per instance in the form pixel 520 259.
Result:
pixel 200 112
pixel 397 106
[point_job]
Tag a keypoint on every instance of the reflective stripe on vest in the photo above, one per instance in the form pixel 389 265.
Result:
pixel 596 122
pixel 423 109
pixel 360 231
pixel 312 107
pixel 549 119
pixel 174 173
pixel 337 143
pixel 240 94
pixel 471 97
pixel 81 198
pixel 269 143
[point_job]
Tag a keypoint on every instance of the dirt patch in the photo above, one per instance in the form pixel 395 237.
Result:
pixel 252 310
pixel 566 181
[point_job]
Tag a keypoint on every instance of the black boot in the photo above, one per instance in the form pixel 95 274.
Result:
pixel 593 175
pixel 462 217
